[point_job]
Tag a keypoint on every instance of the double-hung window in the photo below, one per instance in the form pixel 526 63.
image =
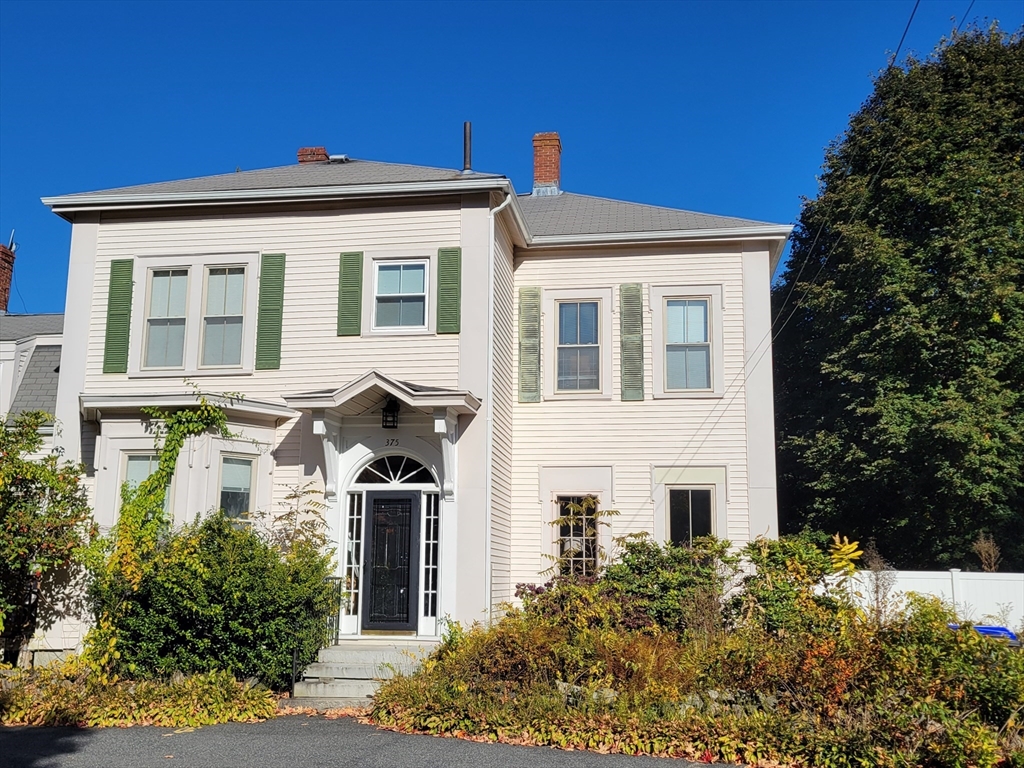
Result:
pixel 400 299
pixel 165 321
pixel 687 345
pixel 690 514
pixel 579 348
pixel 236 486
pixel 223 317
pixel 577 535
pixel 197 315
pixel 576 352
pixel 138 468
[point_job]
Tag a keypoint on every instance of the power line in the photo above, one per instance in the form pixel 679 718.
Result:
pixel 821 227
pixel 747 370
pixel 964 17
pixel 905 30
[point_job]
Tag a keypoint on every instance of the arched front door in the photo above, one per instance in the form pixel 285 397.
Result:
pixel 391 548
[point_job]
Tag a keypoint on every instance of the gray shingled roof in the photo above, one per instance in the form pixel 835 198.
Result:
pixel 572 214
pixel 15 327
pixel 563 214
pixel 318 174
pixel 38 388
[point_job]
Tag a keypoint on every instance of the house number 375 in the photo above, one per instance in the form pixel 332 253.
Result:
pixel 390 442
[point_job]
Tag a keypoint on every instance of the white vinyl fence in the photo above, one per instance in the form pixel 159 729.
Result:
pixel 982 598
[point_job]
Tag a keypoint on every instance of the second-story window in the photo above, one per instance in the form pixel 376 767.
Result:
pixel 165 320
pixel 688 345
pixel 197 315
pixel 401 295
pixel 223 316
pixel 579 350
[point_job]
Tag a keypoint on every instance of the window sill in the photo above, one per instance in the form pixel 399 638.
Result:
pixel 688 395
pixel 181 373
pixel 577 396
pixel 378 332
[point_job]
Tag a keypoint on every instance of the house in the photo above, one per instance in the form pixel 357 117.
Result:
pixel 29 356
pixel 452 362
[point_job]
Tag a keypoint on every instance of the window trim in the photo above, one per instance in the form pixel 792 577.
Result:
pixel 666 478
pixel 146 317
pixel 254 463
pixel 203 316
pixel 689 487
pixel 549 354
pixel 196 264
pixel 660 294
pixel 598 532
pixel 369 308
pixel 126 453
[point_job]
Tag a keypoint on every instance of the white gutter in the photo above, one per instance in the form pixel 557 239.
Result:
pixel 489 422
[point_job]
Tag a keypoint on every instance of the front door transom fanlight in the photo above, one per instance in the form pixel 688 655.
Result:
pixel 395 469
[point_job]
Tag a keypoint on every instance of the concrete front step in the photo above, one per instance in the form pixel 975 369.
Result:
pixel 308 702
pixel 336 689
pixel 353 669
pixel 359 671
pixel 352 652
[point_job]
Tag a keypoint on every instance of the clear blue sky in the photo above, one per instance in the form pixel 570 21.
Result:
pixel 722 107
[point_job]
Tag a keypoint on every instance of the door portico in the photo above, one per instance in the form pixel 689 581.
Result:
pixel 392 501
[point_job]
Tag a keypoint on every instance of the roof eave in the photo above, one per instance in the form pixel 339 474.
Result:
pixel 776 233
pixel 92 405
pixel 69 204
pixel 462 402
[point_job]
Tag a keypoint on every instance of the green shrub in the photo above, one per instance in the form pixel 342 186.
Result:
pixel 801 676
pixel 70 693
pixel 216 596
pixel 675 587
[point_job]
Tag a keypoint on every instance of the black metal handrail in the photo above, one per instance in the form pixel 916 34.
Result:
pixel 334 620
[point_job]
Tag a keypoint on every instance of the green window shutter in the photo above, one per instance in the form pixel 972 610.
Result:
pixel 449 290
pixel 119 317
pixel 271 312
pixel 350 294
pixel 529 345
pixel 631 340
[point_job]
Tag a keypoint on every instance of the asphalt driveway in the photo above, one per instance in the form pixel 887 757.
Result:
pixel 285 742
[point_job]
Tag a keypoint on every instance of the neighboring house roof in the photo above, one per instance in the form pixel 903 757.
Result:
pixel 320 174
pixel 37 390
pixel 15 327
pixel 571 214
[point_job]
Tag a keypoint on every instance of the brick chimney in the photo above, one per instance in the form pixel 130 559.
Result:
pixel 547 164
pixel 6 275
pixel 313 155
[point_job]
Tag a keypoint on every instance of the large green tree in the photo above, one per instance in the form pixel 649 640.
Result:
pixel 899 367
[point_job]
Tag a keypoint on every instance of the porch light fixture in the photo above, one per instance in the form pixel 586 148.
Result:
pixel 389 416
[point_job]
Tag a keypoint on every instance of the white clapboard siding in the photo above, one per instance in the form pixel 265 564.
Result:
pixel 504 392
pixel 312 355
pixel 631 437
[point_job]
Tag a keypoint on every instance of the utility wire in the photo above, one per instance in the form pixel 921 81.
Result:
pixel 964 17
pixel 821 227
pixel 905 30
pixel 748 369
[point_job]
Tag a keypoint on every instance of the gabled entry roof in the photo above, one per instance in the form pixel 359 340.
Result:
pixel 366 392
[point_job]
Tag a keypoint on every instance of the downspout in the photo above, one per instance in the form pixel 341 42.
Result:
pixel 489 423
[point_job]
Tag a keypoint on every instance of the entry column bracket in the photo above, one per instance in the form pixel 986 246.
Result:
pixel 446 424
pixel 327 436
